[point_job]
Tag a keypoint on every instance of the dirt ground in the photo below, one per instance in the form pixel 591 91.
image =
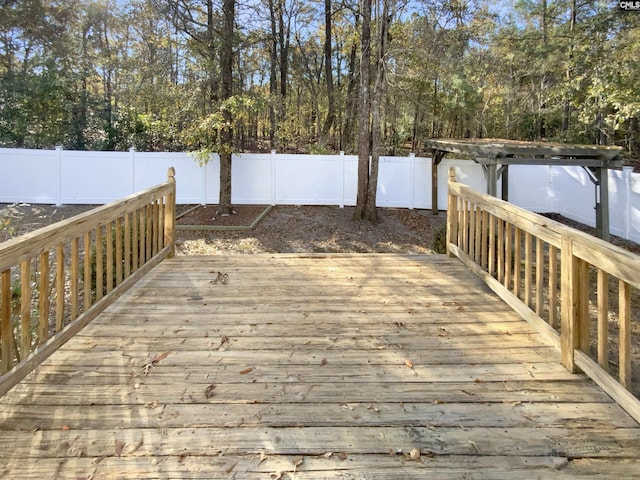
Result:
pixel 305 229
pixel 285 229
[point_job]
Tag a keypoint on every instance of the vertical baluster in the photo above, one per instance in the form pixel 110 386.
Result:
pixel 99 263
pixel 43 321
pixel 528 268
pixel 472 231
pixel 553 285
pixel 492 245
pixel 501 259
pixel 539 276
pixel 109 249
pixel 86 282
pixel 118 255
pixel 508 256
pixel 466 219
pixel 135 247
pixel 25 309
pixel 583 303
pixel 127 245
pixel 60 268
pixel 484 241
pixel 142 240
pixel 517 259
pixel 624 312
pixel 75 267
pixel 603 319
pixel 155 228
pixel 149 233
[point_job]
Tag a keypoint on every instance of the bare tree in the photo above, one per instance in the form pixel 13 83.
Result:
pixel 370 108
pixel 364 112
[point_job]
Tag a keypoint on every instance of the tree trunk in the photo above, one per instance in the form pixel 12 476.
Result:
pixel 331 113
pixel 273 76
pixel 371 213
pixel 364 108
pixel 284 36
pixel 226 73
pixel 352 97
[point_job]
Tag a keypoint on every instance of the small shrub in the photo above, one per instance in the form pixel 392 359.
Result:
pixel 439 242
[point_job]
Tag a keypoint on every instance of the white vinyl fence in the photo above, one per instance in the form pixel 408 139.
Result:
pixel 76 177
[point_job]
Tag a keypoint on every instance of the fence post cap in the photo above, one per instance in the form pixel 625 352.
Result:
pixel 452 174
pixel 171 174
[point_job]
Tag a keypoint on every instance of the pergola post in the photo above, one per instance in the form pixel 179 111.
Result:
pixel 492 178
pixel 438 155
pixel 602 203
pixel 504 173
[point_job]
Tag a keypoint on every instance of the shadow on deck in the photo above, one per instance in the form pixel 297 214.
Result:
pixel 311 366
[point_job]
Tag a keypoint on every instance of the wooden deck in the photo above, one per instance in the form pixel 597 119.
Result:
pixel 311 366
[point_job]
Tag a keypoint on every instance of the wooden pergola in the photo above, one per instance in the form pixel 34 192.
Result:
pixel 495 156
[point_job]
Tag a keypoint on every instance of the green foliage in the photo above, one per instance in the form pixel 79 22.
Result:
pixel 115 75
pixel 203 137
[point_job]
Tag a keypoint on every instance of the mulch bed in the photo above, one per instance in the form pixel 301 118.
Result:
pixel 210 215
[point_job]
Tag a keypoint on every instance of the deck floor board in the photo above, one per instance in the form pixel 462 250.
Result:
pixel 311 367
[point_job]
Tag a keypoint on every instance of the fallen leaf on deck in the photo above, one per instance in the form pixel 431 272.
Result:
pixel 277 475
pixel 119 447
pixel 209 391
pixel 182 456
pixel 408 363
pixel 160 357
pixel 324 361
pixel 263 457
pixel 342 455
pixel 246 370
pixel 328 455
pixel 146 368
pixel 136 446
pixel 297 462
pixel 65 427
pixel 414 454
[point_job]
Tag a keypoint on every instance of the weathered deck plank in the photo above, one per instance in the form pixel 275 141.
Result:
pixel 310 367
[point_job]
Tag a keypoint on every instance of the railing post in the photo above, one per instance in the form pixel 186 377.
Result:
pixel 170 213
pixel 452 213
pixel 570 304
pixel 6 330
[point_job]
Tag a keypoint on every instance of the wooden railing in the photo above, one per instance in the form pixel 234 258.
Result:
pixel 55 280
pixel 561 280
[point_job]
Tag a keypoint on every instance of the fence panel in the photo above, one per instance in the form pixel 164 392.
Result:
pixel 60 176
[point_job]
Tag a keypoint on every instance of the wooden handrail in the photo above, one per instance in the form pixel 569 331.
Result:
pixel 536 265
pixel 56 279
